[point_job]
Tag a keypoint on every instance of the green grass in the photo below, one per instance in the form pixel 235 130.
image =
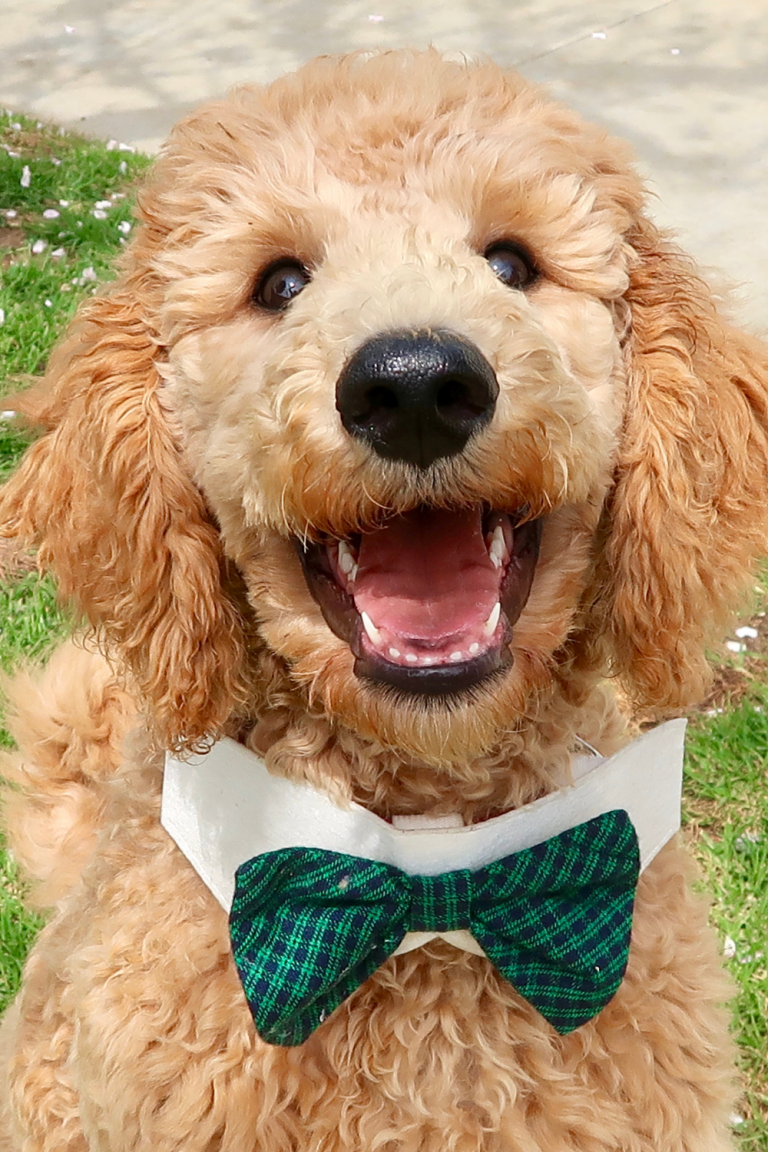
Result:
pixel 76 178
pixel 726 812
pixel 39 292
pixel 726 792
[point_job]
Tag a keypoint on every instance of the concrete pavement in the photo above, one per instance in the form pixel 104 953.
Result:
pixel 685 80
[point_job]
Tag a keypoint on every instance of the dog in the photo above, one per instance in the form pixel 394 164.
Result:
pixel 402 435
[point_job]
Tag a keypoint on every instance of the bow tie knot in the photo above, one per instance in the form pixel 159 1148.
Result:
pixel 441 903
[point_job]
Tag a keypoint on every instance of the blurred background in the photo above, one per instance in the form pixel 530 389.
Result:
pixel 686 81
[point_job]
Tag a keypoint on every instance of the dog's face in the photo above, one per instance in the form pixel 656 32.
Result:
pixel 396 371
pixel 399 343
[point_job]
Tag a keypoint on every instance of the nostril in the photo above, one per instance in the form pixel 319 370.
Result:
pixel 454 402
pixel 374 411
pixel 381 397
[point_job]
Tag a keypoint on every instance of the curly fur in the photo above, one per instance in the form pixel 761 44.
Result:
pixel 186 437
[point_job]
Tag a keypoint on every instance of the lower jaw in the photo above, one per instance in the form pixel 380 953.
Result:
pixel 445 680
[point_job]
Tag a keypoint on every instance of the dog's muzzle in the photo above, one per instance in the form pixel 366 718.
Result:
pixel 416 396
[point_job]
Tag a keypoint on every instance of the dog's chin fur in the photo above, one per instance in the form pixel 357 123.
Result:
pixel 191 447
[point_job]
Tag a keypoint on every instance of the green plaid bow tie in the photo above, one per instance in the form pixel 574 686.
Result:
pixel 309 926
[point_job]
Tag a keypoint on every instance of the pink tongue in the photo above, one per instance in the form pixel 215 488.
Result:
pixel 427 576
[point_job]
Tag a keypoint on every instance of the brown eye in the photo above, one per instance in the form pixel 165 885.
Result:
pixel 512 264
pixel 280 284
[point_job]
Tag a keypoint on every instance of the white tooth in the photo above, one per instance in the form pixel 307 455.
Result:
pixel 346 559
pixel 394 653
pixel 373 633
pixel 456 656
pixel 410 657
pixel 491 623
pixel 474 649
pixel 352 574
pixel 498 548
pixel 427 659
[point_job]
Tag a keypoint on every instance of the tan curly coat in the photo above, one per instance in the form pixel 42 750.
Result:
pixel 188 435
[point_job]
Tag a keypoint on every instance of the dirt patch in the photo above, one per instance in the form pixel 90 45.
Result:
pixel 733 680
pixel 11 237
pixel 14 561
pixel 41 143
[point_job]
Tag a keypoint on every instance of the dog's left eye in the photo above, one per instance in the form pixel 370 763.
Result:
pixel 280 284
pixel 512 264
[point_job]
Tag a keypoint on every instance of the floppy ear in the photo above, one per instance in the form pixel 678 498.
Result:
pixel 690 506
pixel 104 494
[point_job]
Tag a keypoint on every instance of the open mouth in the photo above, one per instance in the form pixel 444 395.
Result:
pixel 427 601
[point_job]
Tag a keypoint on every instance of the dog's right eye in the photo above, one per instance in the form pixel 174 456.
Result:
pixel 280 283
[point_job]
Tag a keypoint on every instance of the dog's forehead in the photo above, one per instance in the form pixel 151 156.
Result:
pixel 395 123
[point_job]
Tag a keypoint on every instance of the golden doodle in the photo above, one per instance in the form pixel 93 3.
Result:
pixel 401 433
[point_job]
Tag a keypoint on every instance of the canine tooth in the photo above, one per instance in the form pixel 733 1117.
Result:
pixel 373 633
pixel 456 656
pixel 346 559
pixel 394 653
pixel 411 658
pixel 352 575
pixel 491 623
pixel 474 649
pixel 498 548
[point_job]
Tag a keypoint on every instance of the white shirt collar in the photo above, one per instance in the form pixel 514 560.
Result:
pixel 225 807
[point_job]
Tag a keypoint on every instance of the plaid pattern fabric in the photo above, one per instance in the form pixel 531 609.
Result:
pixel 309 926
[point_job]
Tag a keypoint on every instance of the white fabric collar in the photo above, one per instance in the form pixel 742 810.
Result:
pixel 225 807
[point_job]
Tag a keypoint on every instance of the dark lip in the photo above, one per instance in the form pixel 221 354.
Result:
pixel 342 618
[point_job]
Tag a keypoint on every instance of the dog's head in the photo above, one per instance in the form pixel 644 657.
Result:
pixel 400 403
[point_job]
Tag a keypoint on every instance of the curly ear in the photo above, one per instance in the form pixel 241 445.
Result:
pixel 690 506
pixel 104 494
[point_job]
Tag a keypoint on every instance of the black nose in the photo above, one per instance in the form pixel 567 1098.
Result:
pixel 416 396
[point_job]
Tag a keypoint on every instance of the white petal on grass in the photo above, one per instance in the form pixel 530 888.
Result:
pixel 125 148
pixel 63 203
pixel 58 252
pixel 111 145
pixel 746 633
pixel 55 161
pixel 734 646
pixel 16 126
pixel 103 204
pixel 11 214
pixel 735 1119
pixel 729 948
pixel 124 226
pixel 7 415
pixel 98 214
pixel 51 214
pixel 88 274
pixel 13 155
pixel 48 303
pixel 26 177
pixel 2 316
pixel 122 167
pixel 39 246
